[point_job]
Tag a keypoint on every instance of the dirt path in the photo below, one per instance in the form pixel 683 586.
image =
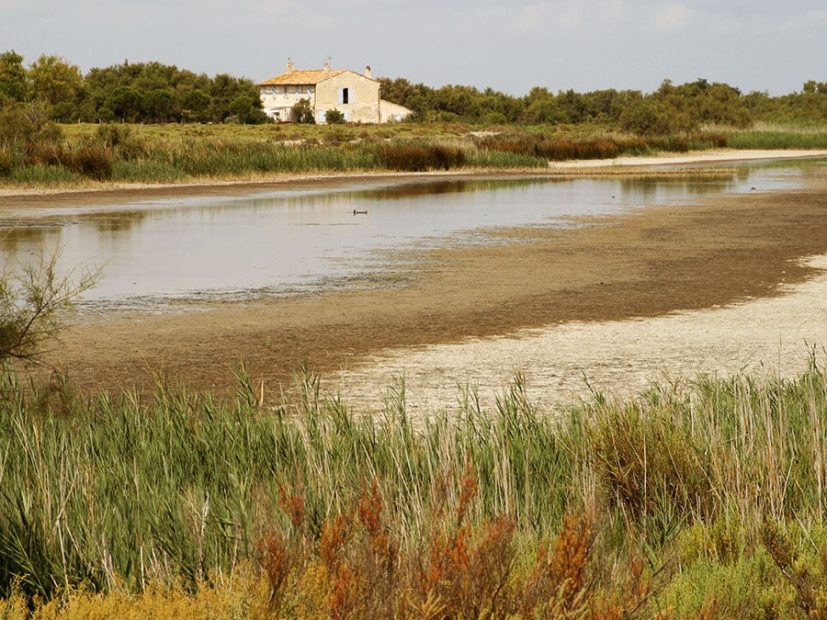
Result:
pixel 656 261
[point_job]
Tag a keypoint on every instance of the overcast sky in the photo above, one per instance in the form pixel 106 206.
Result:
pixel 511 46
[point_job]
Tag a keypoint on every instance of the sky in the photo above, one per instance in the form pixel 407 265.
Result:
pixel 762 45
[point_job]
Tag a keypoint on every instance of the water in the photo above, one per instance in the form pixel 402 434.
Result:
pixel 154 252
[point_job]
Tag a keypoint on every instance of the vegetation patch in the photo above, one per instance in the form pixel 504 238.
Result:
pixel 697 500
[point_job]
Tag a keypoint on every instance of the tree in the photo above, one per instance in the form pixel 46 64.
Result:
pixel 302 112
pixel 31 307
pixel 125 102
pixel 195 104
pixel 646 118
pixel 12 76
pixel 159 105
pixel 334 117
pixel 54 81
pixel 247 110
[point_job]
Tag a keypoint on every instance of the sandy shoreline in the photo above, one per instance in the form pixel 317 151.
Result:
pixel 691 158
pixel 564 363
pixel 125 192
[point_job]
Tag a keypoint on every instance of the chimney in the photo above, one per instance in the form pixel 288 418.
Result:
pixel 368 72
pixel 327 64
pixel 289 65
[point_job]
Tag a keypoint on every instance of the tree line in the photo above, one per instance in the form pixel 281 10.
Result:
pixel 156 93
pixel 670 109
pixel 130 92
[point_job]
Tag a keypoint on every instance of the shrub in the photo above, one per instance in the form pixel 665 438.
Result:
pixel 30 308
pixel 93 161
pixel 334 117
pixel 417 158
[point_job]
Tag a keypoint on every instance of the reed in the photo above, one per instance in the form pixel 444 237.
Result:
pixel 45 176
pixel 779 139
pixel 135 492
pixel 178 153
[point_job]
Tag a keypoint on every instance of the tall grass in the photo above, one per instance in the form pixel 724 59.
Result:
pixel 781 139
pixel 173 153
pixel 175 489
pixel 40 175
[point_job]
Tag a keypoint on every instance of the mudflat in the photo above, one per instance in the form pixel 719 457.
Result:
pixel 648 263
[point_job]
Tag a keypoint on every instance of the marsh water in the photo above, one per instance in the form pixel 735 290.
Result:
pixel 274 242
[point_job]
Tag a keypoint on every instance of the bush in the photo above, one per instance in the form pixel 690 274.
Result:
pixel 416 158
pixel 560 149
pixel 334 117
pixel 494 118
pixel 31 306
pixel 120 141
pixel 93 161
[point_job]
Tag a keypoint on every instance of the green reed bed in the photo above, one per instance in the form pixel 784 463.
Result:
pixel 778 139
pixel 723 477
pixel 196 158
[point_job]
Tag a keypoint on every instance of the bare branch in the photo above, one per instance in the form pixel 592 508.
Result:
pixel 33 305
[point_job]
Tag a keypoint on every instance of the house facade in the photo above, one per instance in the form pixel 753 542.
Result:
pixel 355 95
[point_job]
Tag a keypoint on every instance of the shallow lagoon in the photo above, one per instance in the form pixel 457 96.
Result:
pixel 287 240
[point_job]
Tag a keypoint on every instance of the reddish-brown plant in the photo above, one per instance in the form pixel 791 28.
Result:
pixel 293 506
pixel 278 560
pixel 335 535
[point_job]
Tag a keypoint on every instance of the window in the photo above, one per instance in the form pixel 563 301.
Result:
pixel 344 96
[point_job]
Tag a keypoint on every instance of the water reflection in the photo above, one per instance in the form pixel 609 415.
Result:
pixel 679 188
pixel 117 221
pixel 26 241
pixel 286 240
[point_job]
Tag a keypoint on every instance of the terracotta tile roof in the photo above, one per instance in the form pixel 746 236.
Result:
pixel 300 78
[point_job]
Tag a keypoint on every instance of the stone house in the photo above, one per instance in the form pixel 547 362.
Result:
pixel 356 95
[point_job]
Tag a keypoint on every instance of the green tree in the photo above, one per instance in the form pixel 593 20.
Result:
pixel 195 104
pixel 12 76
pixel 247 110
pixel 54 81
pixel 125 103
pixel 302 112
pixel 647 118
pixel 159 105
